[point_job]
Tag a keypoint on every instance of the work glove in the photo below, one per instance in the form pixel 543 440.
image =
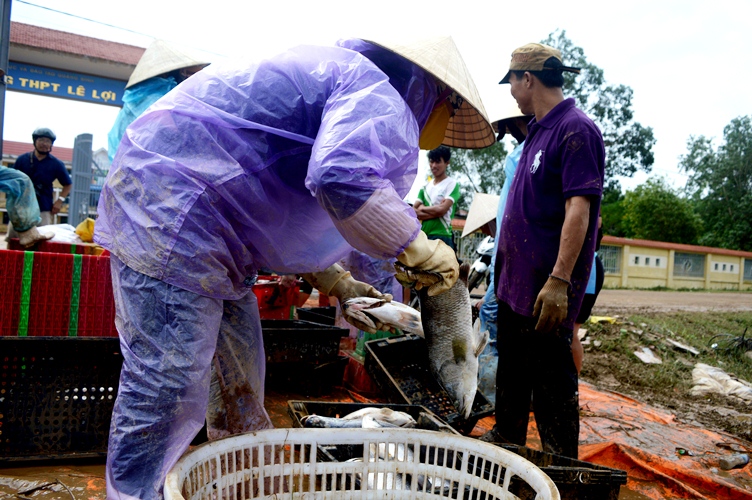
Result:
pixel 552 304
pixel 432 256
pixel 339 283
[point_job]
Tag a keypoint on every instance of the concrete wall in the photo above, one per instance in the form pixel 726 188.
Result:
pixel 651 264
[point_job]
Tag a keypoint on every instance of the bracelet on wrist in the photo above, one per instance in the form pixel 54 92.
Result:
pixel 569 284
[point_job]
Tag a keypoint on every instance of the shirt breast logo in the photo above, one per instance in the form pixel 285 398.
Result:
pixel 536 161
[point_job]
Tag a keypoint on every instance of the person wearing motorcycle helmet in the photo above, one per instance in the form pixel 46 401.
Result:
pixel 44 169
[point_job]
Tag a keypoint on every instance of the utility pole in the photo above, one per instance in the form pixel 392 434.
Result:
pixel 4 48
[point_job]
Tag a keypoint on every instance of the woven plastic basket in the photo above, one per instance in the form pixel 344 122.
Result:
pixel 388 463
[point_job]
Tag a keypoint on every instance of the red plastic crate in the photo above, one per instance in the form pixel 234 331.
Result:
pixel 274 300
pixel 52 296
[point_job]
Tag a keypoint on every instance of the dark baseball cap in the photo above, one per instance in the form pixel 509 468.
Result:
pixel 536 57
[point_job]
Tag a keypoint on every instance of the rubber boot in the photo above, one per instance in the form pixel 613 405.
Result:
pixel 32 237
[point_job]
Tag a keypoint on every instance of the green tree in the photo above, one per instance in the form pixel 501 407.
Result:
pixel 629 145
pixel 612 213
pixel 654 211
pixel 720 181
pixel 478 171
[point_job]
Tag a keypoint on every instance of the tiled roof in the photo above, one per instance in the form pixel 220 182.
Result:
pixel 45 38
pixel 679 247
pixel 15 149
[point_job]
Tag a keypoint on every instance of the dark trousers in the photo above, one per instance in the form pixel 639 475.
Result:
pixel 537 365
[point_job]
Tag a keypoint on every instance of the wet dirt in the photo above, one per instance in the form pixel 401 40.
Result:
pixel 604 370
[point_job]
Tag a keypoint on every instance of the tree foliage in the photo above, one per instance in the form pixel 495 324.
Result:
pixel 629 145
pixel 478 170
pixel 720 182
pixel 612 213
pixel 654 211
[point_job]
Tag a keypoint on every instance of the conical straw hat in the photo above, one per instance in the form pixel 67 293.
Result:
pixel 510 109
pixel 162 57
pixel 469 128
pixel 482 209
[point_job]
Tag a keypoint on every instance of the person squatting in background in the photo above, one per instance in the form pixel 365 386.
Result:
pixel 21 204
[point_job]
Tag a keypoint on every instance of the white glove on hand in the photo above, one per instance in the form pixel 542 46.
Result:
pixel 339 283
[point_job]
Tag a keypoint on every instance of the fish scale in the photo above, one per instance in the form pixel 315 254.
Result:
pixel 453 343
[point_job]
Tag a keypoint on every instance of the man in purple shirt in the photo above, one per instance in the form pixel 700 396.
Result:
pixel 544 255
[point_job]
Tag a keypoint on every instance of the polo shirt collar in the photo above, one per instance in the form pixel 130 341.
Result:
pixel 556 114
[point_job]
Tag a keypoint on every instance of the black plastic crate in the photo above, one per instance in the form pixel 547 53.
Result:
pixel 575 479
pixel 296 341
pixel 56 396
pixel 399 366
pixel 323 315
pixel 424 418
pixel 306 378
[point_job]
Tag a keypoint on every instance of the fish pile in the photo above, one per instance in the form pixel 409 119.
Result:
pixel 379 418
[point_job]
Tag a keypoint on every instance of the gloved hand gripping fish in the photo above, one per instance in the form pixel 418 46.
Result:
pixel 454 343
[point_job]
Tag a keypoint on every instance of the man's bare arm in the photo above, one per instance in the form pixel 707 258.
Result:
pixel 573 234
pixel 434 212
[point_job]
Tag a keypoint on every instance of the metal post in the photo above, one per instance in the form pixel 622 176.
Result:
pixel 4 48
pixel 78 206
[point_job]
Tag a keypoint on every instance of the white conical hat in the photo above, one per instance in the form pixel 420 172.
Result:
pixel 509 109
pixel 162 57
pixel 483 209
pixel 469 128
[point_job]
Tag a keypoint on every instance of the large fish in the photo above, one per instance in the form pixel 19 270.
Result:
pixel 454 343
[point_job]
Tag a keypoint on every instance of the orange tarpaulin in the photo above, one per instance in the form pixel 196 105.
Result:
pixel 619 432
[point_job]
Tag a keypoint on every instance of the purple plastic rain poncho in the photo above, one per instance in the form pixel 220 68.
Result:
pixel 286 164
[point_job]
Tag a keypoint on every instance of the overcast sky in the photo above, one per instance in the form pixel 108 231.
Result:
pixel 687 61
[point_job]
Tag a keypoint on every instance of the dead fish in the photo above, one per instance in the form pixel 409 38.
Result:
pixel 318 421
pixel 378 417
pixel 454 343
pixel 386 416
pixel 393 314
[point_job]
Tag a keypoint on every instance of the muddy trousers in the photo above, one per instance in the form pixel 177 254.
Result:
pixel 186 358
pixel 538 366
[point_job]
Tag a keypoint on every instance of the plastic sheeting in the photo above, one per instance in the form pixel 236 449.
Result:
pixel 174 343
pixel 288 164
pixel 663 457
pixel 135 101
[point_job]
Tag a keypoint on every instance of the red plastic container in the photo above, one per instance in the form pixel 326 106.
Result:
pixel 47 294
pixel 274 300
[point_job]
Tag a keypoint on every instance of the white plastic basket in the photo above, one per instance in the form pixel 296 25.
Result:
pixel 386 463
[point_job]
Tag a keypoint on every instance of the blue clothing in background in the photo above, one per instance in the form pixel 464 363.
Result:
pixel 489 358
pixel 20 201
pixel 488 309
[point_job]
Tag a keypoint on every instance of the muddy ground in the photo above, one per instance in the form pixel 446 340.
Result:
pixel 607 370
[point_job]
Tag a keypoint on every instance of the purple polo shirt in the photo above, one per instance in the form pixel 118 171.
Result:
pixel 564 156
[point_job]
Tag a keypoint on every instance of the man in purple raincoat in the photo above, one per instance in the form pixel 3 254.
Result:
pixel 289 164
